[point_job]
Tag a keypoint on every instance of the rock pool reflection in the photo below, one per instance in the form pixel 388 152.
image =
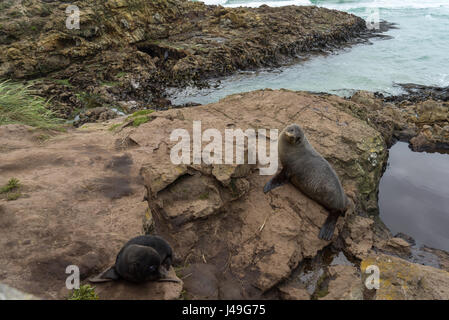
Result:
pixel 414 195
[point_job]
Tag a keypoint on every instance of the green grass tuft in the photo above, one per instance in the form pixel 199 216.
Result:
pixel 19 105
pixel 85 292
pixel 141 113
pixel 140 120
pixel 13 184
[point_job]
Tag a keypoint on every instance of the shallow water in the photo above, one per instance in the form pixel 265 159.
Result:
pixel 414 195
pixel 417 53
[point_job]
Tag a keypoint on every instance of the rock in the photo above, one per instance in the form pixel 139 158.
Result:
pixel 151 290
pixel 396 246
pixel 87 199
pixel 289 292
pixel 402 280
pixel 345 283
pixel 100 114
pixel 443 257
pixel 133 51
pixel 406 237
pixel 200 281
pixel 358 236
pixel 261 238
pixel 81 201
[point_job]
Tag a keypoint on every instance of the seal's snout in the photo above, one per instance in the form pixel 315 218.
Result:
pixel 290 136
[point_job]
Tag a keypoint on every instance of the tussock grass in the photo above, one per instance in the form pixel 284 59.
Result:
pixel 19 105
pixel 11 189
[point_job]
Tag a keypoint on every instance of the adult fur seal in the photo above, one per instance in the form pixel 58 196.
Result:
pixel 303 166
pixel 140 260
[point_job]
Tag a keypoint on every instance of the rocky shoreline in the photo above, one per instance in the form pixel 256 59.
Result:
pixel 127 53
pixel 231 240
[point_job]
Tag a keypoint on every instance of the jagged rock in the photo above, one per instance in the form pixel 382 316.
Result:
pixel 396 246
pixel 402 280
pixel 100 114
pixel 345 283
pixel 406 237
pixel 134 50
pixel 260 238
pixel 358 236
pixel 443 257
pixel 424 122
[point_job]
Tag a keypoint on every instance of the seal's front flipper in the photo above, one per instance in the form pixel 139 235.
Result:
pixel 108 275
pixel 327 230
pixel 277 181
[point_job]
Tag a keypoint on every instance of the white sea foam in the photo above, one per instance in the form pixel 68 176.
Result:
pixel 255 3
pixel 332 4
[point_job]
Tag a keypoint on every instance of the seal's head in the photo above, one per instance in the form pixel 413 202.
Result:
pixel 142 263
pixel 293 134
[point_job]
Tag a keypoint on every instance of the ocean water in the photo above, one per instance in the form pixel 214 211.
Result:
pixel 414 195
pixel 418 53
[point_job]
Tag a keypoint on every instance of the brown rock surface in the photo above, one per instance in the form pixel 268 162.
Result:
pixel 259 238
pixel 345 284
pixel 82 195
pixel 81 199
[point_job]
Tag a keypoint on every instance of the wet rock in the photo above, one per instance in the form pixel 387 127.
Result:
pixel 406 237
pixel 443 257
pixel 99 114
pixel 417 93
pixel 396 246
pixel 422 122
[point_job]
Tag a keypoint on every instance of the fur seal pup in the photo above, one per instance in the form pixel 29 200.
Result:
pixel 305 168
pixel 140 260
pixel 157 243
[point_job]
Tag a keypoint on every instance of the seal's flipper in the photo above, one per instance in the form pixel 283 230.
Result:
pixel 327 230
pixel 277 181
pixel 108 275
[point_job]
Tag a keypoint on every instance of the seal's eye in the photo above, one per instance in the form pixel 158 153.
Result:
pixel 152 268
